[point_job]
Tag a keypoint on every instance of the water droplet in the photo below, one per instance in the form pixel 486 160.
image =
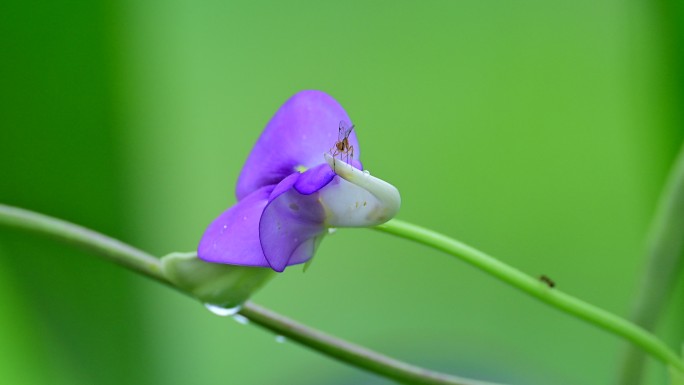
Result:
pixel 222 311
pixel 280 339
pixel 332 230
pixel 239 318
pixel 366 172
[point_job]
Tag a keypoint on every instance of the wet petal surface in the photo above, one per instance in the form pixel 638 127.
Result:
pixel 233 237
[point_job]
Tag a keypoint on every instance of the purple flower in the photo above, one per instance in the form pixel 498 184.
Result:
pixel 291 190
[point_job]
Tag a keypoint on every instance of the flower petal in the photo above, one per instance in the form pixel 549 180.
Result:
pixel 233 237
pixel 357 199
pixel 288 226
pixel 314 179
pixel 306 250
pixel 284 185
pixel 305 127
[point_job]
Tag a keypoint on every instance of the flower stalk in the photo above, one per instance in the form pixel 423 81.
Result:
pixel 150 266
pixel 538 289
pixel 663 264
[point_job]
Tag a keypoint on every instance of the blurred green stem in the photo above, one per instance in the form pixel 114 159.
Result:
pixel 664 252
pixel 538 289
pixel 150 266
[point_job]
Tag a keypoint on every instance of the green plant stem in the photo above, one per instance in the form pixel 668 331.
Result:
pixel 148 265
pixel 538 289
pixel 664 253
pixel 350 353
pixel 100 244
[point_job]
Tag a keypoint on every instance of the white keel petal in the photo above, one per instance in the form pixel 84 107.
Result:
pixel 358 199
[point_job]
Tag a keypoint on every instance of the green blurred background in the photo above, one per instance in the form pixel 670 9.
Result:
pixel 538 131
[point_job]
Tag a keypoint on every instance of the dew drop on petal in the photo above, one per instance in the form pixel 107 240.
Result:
pixel 280 339
pixel 239 318
pixel 222 311
pixel 366 172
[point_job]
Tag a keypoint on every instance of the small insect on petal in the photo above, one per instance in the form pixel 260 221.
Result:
pixel 342 146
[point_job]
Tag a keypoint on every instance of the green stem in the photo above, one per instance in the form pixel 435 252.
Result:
pixel 538 289
pixel 107 247
pixel 664 252
pixel 146 264
pixel 350 353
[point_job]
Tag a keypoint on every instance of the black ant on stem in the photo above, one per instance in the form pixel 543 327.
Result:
pixel 547 281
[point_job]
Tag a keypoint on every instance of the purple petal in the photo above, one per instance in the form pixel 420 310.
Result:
pixel 233 237
pixel 284 185
pixel 300 132
pixel 314 179
pixel 305 251
pixel 287 229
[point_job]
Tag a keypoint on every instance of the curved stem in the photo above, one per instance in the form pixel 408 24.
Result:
pixel 350 353
pixel 67 232
pixel 146 264
pixel 664 253
pixel 538 289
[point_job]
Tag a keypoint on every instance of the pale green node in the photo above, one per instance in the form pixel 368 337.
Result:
pixel 218 284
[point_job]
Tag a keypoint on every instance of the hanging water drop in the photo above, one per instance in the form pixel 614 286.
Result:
pixel 239 318
pixel 280 339
pixel 366 172
pixel 222 311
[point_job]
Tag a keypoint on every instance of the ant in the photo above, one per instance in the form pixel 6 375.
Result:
pixel 547 281
pixel 342 146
